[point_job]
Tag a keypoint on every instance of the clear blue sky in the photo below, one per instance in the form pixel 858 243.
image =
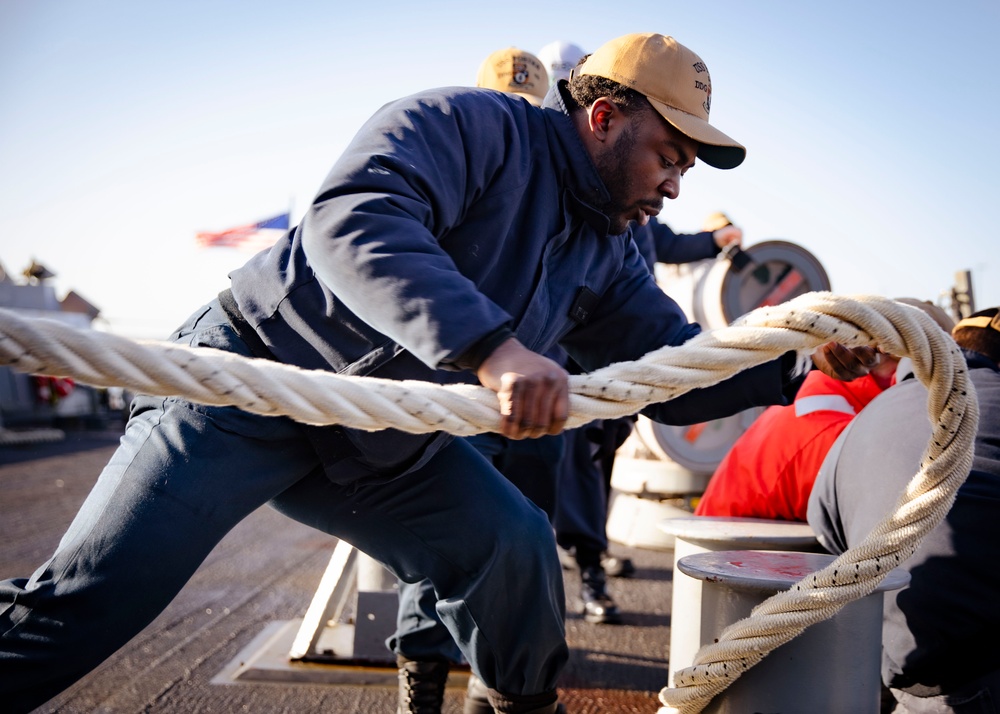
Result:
pixel 127 127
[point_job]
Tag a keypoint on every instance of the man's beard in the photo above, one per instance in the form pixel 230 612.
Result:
pixel 613 166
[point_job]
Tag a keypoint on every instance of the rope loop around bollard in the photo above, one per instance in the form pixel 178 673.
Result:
pixel 954 414
pixel 218 378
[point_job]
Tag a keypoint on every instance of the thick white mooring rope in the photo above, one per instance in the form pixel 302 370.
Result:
pixel 316 397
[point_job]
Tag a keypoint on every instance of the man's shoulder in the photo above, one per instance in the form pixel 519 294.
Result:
pixel 470 115
pixel 452 100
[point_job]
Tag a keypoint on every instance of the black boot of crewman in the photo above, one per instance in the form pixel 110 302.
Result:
pixel 615 567
pixel 421 685
pixel 477 697
pixel 480 700
pixel 597 605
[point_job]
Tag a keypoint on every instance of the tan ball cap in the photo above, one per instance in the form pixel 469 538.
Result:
pixel 516 72
pixel 675 81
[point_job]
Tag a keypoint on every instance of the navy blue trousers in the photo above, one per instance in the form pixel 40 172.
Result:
pixel 185 475
pixel 531 465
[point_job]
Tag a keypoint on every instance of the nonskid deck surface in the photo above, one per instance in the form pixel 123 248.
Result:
pixel 257 582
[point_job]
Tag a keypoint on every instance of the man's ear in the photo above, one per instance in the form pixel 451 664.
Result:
pixel 600 116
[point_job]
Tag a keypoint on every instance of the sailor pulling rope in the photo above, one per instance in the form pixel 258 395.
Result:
pixel 315 397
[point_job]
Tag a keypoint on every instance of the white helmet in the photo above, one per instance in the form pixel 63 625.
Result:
pixel 559 58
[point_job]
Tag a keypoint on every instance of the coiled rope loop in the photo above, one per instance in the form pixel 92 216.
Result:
pixel 927 498
pixel 220 378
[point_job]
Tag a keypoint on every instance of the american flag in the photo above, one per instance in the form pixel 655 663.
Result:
pixel 254 236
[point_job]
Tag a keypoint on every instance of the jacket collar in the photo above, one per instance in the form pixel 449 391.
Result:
pixel 579 175
pixel 975 360
pixel 858 391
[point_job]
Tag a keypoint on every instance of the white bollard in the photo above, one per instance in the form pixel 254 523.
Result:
pixel 700 534
pixel 833 666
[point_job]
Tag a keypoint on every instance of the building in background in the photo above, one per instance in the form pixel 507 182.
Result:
pixel 28 402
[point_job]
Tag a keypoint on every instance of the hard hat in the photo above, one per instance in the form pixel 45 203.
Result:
pixel 559 58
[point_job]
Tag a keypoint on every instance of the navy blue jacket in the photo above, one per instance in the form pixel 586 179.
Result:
pixel 659 244
pixel 451 213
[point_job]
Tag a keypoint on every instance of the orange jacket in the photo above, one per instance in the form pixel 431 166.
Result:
pixel 770 470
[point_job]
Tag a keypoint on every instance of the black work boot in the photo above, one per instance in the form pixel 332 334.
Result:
pixel 477 699
pixel 421 685
pixel 546 703
pixel 615 567
pixel 597 605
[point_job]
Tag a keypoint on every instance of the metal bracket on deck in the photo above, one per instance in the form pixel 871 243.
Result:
pixel 351 615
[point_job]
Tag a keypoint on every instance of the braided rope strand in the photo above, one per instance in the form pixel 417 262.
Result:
pixel 219 378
